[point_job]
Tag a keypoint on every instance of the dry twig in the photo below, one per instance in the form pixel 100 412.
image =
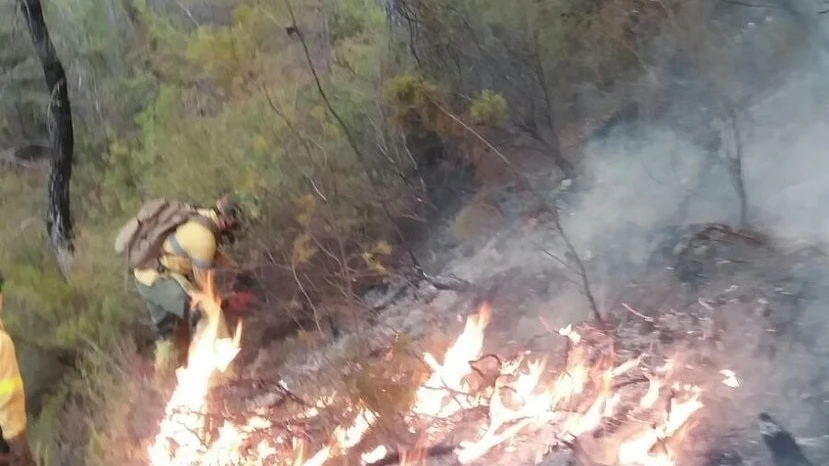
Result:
pixel 637 314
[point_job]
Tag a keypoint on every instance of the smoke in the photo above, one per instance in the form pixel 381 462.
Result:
pixel 648 180
pixel 647 177
pixel 787 163
pixel 642 181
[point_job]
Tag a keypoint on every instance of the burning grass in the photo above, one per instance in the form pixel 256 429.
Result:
pixel 605 410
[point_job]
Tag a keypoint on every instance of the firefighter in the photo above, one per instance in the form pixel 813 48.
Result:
pixel 184 258
pixel 14 445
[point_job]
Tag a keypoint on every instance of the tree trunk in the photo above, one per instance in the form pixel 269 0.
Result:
pixel 61 134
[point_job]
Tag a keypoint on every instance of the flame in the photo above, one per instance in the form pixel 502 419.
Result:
pixel 652 396
pixel 374 455
pixel 448 378
pixel 577 401
pixel 411 457
pixel 637 450
pixel 180 437
pixel 344 439
pixel 180 440
pixel 538 404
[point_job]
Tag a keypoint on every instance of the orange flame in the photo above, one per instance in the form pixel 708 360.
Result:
pixel 449 377
pixel 179 440
pixel 578 400
pixel 538 405
pixel 411 457
pixel 344 439
pixel 637 450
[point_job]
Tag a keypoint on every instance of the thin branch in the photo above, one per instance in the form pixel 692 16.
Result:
pixel 305 294
pixel 187 12
pixel 373 181
pixel 302 138
pixel 736 165
pixel 558 259
pixel 636 313
pixel 597 314
pixel 582 270
pixel 346 130
pixel 751 5
pixel 478 136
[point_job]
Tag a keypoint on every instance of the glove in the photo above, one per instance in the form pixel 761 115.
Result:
pixel 20 451
pixel 244 280
pixel 238 302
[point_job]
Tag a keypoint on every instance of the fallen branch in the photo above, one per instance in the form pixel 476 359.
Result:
pixel 625 383
pixel 288 393
pixel 637 314
pixel 488 380
pixel 449 282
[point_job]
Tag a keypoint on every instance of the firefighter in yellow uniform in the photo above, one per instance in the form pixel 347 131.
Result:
pixel 186 257
pixel 14 445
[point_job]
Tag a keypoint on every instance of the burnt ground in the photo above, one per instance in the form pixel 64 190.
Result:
pixel 713 297
pixel 731 300
pixel 720 299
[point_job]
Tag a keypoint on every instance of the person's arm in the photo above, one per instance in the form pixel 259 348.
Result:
pixel 12 397
pixel 12 401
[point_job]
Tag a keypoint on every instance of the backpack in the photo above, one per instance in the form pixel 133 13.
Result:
pixel 143 235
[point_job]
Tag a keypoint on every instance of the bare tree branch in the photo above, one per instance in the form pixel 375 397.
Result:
pixel 581 269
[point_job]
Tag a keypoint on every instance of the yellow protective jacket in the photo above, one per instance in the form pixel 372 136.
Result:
pixel 12 396
pixel 191 246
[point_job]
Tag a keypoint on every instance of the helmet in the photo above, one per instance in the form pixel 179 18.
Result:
pixel 232 214
pixel 229 209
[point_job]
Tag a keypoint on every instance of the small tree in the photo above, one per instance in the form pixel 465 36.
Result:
pixel 61 134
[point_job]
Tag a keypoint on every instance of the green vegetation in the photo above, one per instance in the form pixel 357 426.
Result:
pixel 331 132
